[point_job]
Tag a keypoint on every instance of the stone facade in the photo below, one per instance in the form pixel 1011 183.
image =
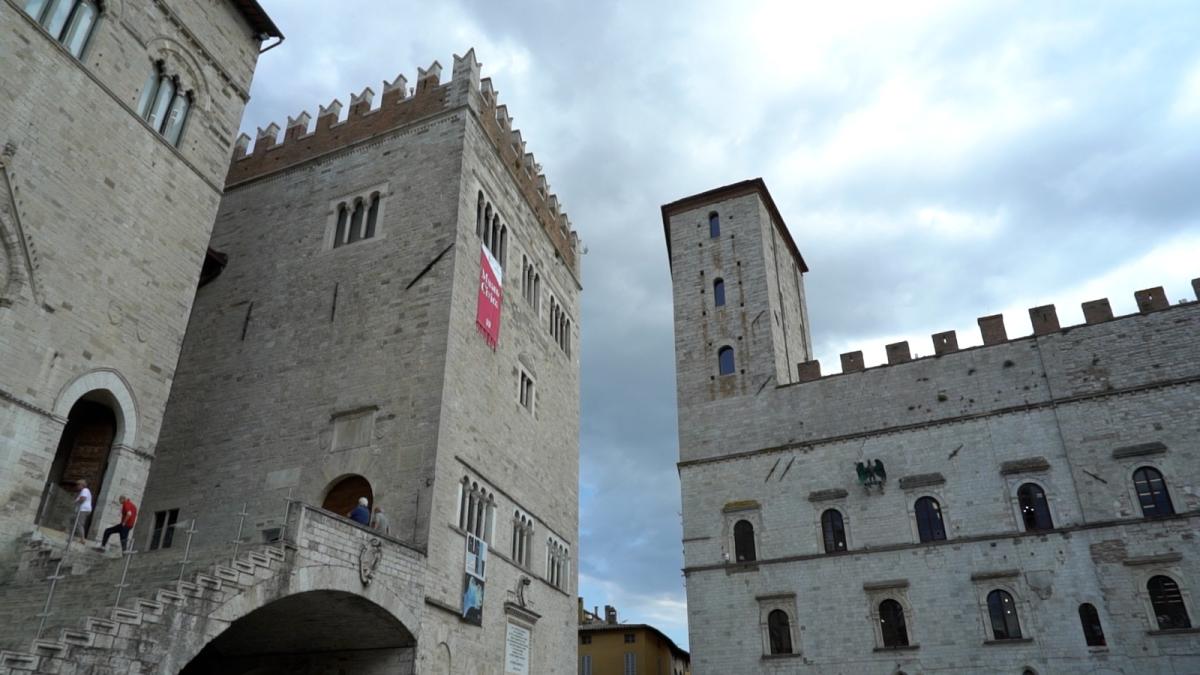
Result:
pixel 103 228
pixel 309 360
pixel 1073 410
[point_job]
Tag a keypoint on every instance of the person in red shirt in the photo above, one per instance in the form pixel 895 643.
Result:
pixel 128 518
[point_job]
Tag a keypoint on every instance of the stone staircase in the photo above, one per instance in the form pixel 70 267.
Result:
pixel 84 620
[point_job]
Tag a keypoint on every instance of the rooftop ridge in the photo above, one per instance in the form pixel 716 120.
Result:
pixel 398 106
pixel 1044 320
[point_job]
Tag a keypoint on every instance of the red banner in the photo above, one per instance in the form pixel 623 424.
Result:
pixel 487 314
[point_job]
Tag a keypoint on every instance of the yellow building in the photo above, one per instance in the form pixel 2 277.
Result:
pixel 607 647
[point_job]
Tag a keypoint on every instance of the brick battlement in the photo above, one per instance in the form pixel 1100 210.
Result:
pixel 1044 320
pixel 401 106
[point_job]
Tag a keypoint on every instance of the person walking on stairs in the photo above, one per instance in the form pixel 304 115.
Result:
pixel 122 529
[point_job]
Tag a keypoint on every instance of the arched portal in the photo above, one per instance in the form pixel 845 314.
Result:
pixel 310 632
pixel 83 454
pixel 344 493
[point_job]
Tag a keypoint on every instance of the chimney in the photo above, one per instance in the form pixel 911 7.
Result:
pixel 610 614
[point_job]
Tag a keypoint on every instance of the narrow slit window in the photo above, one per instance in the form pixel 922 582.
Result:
pixel 339 233
pixel 372 216
pixel 725 363
pixel 714 225
pixel 356 219
pixel 719 292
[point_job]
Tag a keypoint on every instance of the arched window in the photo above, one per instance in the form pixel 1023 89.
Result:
pixel 1089 619
pixel 68 21
pixel 1035 511
pixel 164 105
pixel 501 253
pixel 833 531
pixel 487 225
pixel 372 216
pixel 743 541
pixel 356 218
pixel 163 96
pixel 714 225
pixel 339 233
pixel 779 631
pixel 929 520
pixel 1167 601
pixel 719 292
pixel 1002 610
pixel 495 237
pixel 725 360
pixel 1152 492
pixel 891 624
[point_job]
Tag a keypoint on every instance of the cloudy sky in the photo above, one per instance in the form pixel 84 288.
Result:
pixel 935 162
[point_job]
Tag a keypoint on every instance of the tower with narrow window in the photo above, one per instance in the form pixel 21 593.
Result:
pixel 1023 506
pixel 741 321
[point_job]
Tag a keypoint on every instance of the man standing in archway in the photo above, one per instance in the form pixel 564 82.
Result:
pixel 83 511
pixel 121 529
pixel 361 513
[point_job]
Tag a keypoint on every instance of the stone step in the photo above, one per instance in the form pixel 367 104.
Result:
pixel 100 626
pixel 50 648
pixel 126 616
pixel 74 636
pixel 148 606
pixel 19 660
pixel 169 597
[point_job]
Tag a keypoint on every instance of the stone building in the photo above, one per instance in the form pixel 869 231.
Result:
pixel 117 121
pixel 609 647
pixel 1026 506
pixel 393 322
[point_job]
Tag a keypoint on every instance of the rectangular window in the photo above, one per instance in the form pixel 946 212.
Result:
pixel 630 638
pixel 630 663
pixel 164 529
pixel 525 393
pixel 585 639
pixel 585 664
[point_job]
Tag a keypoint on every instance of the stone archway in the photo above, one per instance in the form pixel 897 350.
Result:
pixel 83 454
pixel 314 632
pixel 344 493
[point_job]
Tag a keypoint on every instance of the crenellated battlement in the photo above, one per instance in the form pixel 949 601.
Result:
pixel 399 106
pixel 1044 321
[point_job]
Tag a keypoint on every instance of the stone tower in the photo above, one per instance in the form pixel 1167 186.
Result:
pixel 343 353
pixel 116 125
pixel 739 298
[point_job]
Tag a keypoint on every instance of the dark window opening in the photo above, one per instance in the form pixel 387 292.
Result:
pixel 891 624
pixel 719 292
pixel 1089 619
pixel 1169 609
pixel 833 531
pixel 743 541
pixel 1002 610
pixel 725 363
pixel 164 529
pixel 1152 492
pixel 929 520
pixel 779 632
pixel 714 225
pixel 1035 511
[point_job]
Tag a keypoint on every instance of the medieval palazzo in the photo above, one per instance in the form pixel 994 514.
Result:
pixel 1027 506
pixel 247 383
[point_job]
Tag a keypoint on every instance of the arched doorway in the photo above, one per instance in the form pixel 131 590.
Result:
pixel 344 493
pixel 82 454
pixel 310 632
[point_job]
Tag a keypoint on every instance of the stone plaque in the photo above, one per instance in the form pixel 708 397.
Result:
pixel 516 650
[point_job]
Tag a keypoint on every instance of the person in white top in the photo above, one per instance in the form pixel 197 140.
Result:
pixel 83 502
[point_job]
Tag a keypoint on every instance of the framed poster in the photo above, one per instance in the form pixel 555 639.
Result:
pixel 477 553
pixel 472 606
